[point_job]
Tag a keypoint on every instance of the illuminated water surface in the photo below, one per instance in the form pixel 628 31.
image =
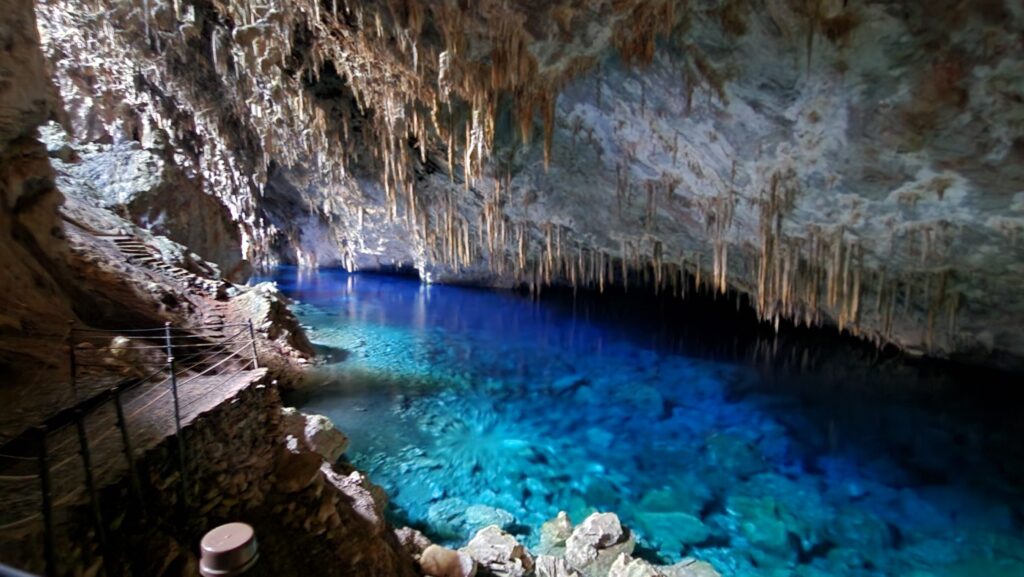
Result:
pixel 475 407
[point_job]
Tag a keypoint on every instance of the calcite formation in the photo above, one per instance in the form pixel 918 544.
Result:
pixel 857 164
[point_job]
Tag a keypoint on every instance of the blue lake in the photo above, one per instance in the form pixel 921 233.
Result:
pixel 796 454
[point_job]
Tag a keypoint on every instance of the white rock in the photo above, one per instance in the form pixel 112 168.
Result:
pixel 626 566
pixel 437 561
pixel 554 533
pixel 550 566
pixel 596 543
pixel 323 438
pixel 498 553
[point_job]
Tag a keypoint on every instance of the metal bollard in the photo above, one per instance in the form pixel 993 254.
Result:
pixel 228 550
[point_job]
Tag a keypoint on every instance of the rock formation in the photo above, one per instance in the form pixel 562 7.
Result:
pixel 853 164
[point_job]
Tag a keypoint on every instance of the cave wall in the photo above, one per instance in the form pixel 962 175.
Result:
pixel 30 231
pixel 856 164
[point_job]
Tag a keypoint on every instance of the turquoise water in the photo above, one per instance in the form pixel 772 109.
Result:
pixel 760 454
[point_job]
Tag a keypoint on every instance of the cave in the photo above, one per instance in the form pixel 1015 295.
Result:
pixel 510 288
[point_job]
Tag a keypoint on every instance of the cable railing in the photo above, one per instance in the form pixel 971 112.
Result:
pixel 121 381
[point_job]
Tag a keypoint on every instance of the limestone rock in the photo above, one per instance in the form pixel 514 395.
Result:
pixel 480 516
pixel 671 530
pixel 690 568
pixel 437 561
pixel 626 566
pixel 923 194
pixel 315 433
pixel 499 554
pixel 551 566
pixel 759 522
pixel 554 534
pixel 324 438
pixel 412 541
pixel 596 543
pixel 367 500
pixel 296 471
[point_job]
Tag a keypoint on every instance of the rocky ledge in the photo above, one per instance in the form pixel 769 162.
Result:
pixel 598 547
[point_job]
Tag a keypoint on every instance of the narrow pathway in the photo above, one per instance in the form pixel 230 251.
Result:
pixel 149 413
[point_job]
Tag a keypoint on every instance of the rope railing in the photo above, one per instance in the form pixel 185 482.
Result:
pixel 28 463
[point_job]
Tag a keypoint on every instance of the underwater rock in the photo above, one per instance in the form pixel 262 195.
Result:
pixel 550 566
pixel 671 530
pixel 757 520
pixel 569 381
pixel 438 561
pixel 596 543
pixel 734 456
pixel 480 516
pixel 690 567
pixel 799 505
pixel 554 533
pixel 687 494
pixel 499 554
pixel 447 518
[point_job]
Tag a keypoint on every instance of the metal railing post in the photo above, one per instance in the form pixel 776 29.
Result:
pixel 94 498
pixel 126 443
pixel 177 416
pixel 49 539
pixel 252 340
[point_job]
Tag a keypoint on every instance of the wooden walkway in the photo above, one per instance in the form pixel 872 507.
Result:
pixel 149 414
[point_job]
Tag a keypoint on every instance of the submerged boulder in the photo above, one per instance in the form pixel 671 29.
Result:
pixel 480 516
pixel 671 530
pixel 554 533
pixel 499 554
pixel 690 567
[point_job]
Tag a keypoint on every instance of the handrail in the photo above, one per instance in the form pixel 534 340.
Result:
pixel 199 360
pixel 159 330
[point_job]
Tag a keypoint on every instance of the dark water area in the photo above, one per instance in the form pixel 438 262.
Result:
pixel 793 453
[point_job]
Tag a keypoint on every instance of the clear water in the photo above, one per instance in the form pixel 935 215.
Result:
pixel 473 407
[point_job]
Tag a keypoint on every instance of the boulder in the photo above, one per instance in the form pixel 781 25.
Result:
pixel 480 516
pixel 596 543
pixel 554 533
pixel 671 530
pixel 412 541
pixel 758 521
pixel 626 566
pixel 316 433
pixel 323 438
pixel 690 567
pixel 734 456
pixel 367 500
pixel 296 471
pixel 550 566
pixel 499 554
pixel 438 561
